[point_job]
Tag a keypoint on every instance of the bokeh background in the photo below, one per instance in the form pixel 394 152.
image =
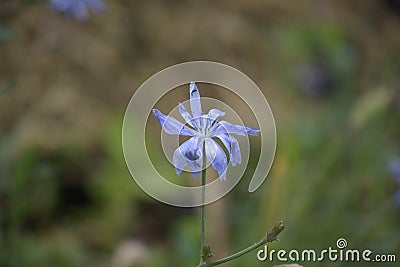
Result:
pixel 329 69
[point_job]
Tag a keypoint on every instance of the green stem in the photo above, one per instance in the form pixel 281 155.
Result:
pixel 272 235
pixel 203 209
pixel 238 254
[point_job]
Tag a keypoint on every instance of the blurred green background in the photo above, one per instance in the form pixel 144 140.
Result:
pixel 329 69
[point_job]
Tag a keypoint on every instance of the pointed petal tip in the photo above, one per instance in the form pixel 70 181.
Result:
pixel 222 177
pixel 193 87
pixel 158 115
pixel 178 171
pixel 252 131
pixel 235 163
pixel 170 125
pixel 196 175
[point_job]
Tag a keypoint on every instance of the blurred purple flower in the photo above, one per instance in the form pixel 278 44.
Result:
pixel 203 128
pixel 78 9
pixel 315 80
pixel 394 170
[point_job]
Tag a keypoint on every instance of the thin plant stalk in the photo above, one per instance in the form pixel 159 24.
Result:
pixel 203 208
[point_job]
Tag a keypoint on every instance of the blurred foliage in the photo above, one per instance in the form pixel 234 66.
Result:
pixel 6 34
pixel 330 70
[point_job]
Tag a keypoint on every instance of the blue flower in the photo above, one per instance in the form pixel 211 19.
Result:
pixel 79 9
pixel 203 129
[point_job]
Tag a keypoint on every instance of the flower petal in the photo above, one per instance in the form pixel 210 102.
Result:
pixel 224 126
pixel 232 145
pixel 172 126
pixel 195 167
pixel 60 5
pixel 216 156
pixel 179 161
pixel 236 157
pixel 185 115
pixel 195 104
pixel 97 6
pixel 80 12
pixel 214 113
pixel 189 153
pixel 79 9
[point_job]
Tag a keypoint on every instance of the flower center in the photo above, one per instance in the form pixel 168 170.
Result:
pixel 204 126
